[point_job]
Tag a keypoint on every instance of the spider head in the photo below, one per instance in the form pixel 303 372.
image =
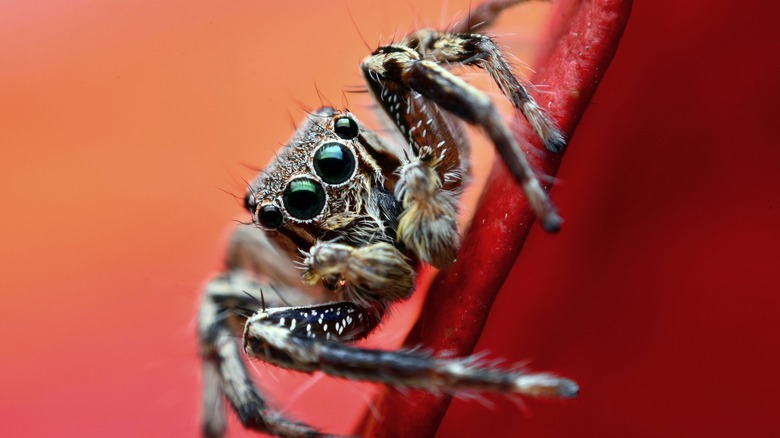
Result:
pixel 320 182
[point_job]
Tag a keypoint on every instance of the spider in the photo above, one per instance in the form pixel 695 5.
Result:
pixel 359 214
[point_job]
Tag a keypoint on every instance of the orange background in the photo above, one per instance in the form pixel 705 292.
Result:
pixel 123 124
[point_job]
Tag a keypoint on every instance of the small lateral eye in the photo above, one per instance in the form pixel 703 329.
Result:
pixel 346 128
pixel 304 198
pixel 249 203
pixel 334 163
pixel 270 217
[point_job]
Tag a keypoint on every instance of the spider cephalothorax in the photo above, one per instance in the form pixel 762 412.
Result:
pixel 326 194
pixel 358 215
pixel 320 181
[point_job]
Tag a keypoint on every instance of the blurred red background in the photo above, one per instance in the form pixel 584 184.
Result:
pixel 122 122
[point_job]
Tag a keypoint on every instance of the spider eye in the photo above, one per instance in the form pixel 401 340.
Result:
pixel 334 163
pixel 249 203
pixel 270 216
pixel 346 128
pixel 304 198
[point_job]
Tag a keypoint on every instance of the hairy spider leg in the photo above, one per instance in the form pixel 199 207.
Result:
pixel 224 307
pixel 224 370
pixel 403 74
pixel 481 51
pixel 303 338
pixel 484 15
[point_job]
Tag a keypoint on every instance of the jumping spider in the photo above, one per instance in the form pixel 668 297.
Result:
pixel 359 214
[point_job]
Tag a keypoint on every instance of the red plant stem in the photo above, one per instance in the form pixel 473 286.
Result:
pixel 460 298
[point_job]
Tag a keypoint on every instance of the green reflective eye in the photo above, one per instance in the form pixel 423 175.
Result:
pixel 346 128
pixel 304 198
pixel 334 163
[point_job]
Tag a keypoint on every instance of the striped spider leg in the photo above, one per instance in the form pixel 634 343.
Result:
pixel 359 215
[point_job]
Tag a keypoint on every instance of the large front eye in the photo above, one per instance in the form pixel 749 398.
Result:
pixel 304 198
pixel 334 163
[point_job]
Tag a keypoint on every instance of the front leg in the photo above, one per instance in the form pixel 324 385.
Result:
pixel 309 339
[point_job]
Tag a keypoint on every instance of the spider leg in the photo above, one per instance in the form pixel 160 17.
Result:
pixel 251 250
pixel 484 15
pixel 397 75
pixel 224 371
pixel 434 167
pixel 303 339
pixel 480 51
pixel 221 316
